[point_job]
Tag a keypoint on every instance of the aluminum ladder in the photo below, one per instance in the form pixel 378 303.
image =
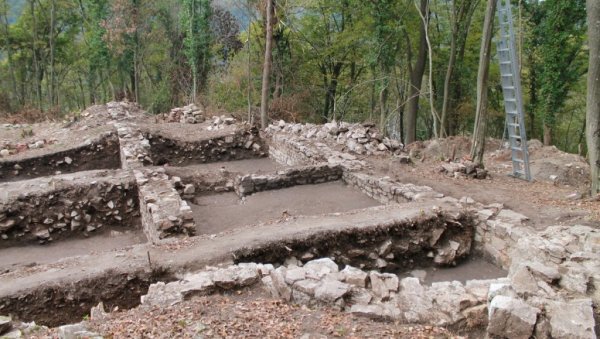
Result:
pixel 511 88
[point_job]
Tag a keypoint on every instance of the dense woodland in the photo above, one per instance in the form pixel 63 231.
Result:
pixel 409 65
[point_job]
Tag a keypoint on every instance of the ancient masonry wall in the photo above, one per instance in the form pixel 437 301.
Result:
pixel 65 207
pixel 101 153
pixel 164 213
pixel 243 144
pixel 304 175
pixel 386 191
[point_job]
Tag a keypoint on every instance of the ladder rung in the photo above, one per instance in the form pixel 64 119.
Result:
pixel 503 49
pixel 517 149
pixel 512 113
pixel 515 137
pixel 505 62
pixel 514 124
pixel 520 161
pixel 509 87
pixel 507 75
pixel 510 99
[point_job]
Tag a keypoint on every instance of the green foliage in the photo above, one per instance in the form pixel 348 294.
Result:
pixel 331 58
pixel 560 35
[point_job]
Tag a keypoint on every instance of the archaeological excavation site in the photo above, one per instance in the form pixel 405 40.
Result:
pixel 122 224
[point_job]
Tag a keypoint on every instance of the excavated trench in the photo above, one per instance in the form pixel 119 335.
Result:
pixel 237 146
pixel 397 247
pixel 100 154
pixel 64 304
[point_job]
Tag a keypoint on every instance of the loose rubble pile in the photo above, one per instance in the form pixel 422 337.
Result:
pixel 466 169
pixel 363 139
pixel 219 123
pixel 13 330
pixel 190 114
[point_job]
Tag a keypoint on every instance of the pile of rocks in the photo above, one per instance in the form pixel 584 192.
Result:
pixel 219 123
pixel 206 282
pixel 10 329
pixel 466 169
pixel 190 114
pixel 362 139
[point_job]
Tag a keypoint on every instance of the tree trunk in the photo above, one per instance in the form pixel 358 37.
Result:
pixel 547 135
pixel 264 101
pixel 593 94
pixel 434 114
pixel 52 51
pixel 37 83
pixel 478 143
pixel 416 80
pixel 9 58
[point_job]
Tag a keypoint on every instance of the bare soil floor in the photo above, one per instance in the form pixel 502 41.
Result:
pixel 221 212
pixel 470 269
pixel 19 257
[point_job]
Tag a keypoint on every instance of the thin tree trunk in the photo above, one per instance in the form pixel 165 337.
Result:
pixel 264 101
pixel 9 59
pixel 434 113
pixel 52 51
pixel 416 80
pixel 478 144
pixel 36 66
pixel 593 94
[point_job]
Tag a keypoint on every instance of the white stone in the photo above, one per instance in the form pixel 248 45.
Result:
pixel 355 276
pixel 331 290
pixel 511 318
pixel 573 319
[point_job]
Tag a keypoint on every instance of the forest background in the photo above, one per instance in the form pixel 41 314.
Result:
pixel 351 60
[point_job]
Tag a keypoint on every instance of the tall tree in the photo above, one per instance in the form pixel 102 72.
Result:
pixel 481 114
pixel 593 93
pixel 561 37
pixel 264 101
pixel 196 22
pixel 461 13
pixel 416 77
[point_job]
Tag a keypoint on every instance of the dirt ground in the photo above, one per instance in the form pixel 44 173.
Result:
pixel 17 257
pixel 546 202
pixel 221 212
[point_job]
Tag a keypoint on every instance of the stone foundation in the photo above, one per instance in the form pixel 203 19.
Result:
pixel 305 175
pixel 164 213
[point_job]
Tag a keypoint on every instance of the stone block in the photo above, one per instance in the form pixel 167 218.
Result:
pixel 511 318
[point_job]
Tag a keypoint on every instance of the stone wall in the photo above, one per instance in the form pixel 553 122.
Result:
pixel 164 213
pixel 44 210
pixel 293 150
pixel 386 191
pixel 304 175
pixel 101 153
pixel 243 144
